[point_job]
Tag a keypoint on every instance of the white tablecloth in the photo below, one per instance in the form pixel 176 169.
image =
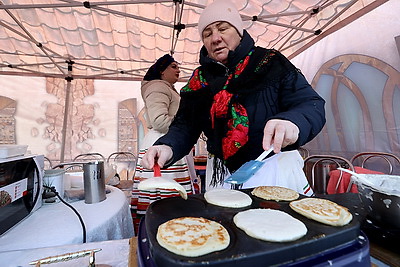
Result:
pixel 56 224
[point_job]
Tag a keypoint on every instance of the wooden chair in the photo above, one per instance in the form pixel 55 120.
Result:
pixel 377 161
pixel 304 152
pixel 317 168
pixel 125 163
pixel 77 163
pixel 47 163
pixel 89 157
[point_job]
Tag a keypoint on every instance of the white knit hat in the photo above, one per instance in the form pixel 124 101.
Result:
pixel 220 10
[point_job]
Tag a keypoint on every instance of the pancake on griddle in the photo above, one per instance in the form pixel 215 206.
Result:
pixel 228 198
pixel 275 193
pixel 270 225
pixel 322 210
pixel 192 236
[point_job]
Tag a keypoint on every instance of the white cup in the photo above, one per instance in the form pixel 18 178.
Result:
pixel 75 179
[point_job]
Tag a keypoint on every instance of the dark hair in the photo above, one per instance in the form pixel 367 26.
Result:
pixel 154 72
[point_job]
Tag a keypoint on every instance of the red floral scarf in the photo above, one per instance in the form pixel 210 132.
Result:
pixel 224 106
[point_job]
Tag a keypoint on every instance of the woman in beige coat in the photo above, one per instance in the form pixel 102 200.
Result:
pixel 161 104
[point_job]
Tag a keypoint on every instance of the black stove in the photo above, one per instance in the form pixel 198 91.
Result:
pixel 382 235
pixel 341 246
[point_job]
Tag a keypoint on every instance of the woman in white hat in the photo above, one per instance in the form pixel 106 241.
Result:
pixel 244 98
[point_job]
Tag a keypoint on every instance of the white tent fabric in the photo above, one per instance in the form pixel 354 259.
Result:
pixel 119 39
pixel 357 71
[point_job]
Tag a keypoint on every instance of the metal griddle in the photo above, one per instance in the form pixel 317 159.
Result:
pixel 243 249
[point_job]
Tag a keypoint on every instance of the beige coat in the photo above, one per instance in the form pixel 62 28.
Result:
pixel 161 102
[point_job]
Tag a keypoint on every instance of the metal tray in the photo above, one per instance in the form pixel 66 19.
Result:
pixel 243 249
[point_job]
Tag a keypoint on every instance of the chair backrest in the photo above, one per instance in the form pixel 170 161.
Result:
pixel 304 152
pixel 317 168
pixel 89 157
pixel 47 163
pixel 121 156
pixel 124 163
pixel 377 161
pixel 77 163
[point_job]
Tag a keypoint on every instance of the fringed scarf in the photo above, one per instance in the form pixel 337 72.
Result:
pixel 225 105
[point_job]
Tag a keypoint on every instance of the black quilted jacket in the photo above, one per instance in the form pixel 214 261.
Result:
pixel 276 90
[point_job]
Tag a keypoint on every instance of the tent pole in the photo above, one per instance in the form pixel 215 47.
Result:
pixel 66 110
pixel 65 121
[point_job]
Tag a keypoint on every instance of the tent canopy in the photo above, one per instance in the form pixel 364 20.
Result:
pixel 120 39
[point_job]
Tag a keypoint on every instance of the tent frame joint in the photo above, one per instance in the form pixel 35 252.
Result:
pixel 315 10
pixel 70 63
pixel 86 4
pixel 318 32
pixel 179 26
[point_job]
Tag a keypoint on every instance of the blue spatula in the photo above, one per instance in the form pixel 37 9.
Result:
pixel 247 170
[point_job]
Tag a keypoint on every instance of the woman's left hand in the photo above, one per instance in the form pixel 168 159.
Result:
pixel 280 133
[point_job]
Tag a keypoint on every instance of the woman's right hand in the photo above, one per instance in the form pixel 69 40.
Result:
pixel 280 133
pixel 160 154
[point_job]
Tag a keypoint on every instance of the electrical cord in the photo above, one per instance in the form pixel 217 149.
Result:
pixel 52 189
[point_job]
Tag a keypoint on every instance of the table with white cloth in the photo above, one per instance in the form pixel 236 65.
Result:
pixel 56 224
